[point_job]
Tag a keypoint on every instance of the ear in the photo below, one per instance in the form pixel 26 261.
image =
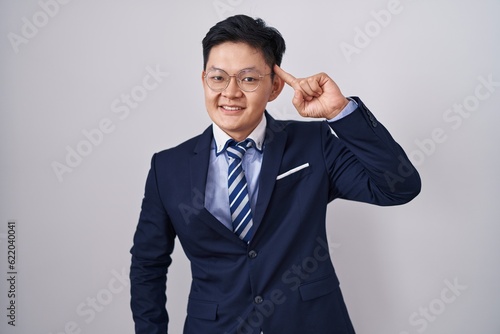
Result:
pixel 278 85
pixel 203 77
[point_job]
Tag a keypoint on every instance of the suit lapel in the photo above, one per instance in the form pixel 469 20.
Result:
pixel 198 169
pixel 273 153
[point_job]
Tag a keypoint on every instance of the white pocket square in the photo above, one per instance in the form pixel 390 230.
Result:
pixel 291 171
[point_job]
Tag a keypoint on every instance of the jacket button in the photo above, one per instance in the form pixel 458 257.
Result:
pixel 252 254
pixel 258 300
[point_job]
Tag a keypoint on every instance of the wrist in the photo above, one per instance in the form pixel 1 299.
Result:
pixel 338 110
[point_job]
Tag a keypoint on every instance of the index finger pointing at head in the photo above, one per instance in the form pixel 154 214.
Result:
pixel 287 77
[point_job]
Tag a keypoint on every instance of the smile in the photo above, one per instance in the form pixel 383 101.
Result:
pixel 228 108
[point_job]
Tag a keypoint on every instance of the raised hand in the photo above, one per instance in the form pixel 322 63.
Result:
pixel 316 96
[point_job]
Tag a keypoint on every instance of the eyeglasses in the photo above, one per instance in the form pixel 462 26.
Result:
pixel 248 80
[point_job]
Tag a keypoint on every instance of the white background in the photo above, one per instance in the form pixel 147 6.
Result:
pixel 63 75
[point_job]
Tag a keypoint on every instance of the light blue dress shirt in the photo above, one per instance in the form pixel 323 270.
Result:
pixel 216 191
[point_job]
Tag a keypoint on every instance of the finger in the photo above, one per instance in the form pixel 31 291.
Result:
pixel 311 86
pixel 298 101
pixel 285 76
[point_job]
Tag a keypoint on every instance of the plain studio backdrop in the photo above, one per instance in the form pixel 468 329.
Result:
pixel 89 90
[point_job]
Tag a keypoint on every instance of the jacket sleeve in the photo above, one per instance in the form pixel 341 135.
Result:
pixel 153 244
pixel 365 163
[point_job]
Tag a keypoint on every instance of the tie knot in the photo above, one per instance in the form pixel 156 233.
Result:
pixel 236 150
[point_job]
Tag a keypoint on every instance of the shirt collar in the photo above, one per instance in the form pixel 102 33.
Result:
pixel 257 136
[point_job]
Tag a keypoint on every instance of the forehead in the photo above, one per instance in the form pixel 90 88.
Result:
pixel 234 57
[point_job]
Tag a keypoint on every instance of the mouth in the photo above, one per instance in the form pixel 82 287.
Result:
pixel 230 109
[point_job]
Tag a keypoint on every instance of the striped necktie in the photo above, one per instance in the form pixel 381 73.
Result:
pixel 239 203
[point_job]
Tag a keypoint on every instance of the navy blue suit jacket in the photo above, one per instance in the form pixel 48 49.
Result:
pixel 283 281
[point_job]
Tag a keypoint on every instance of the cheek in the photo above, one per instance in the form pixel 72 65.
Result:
pixel 211 98
pixel 260 101
pixel 264 95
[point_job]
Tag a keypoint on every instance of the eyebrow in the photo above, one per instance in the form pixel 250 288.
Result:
pixel 244 69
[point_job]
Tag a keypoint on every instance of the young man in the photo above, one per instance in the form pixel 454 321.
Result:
pixel 247 198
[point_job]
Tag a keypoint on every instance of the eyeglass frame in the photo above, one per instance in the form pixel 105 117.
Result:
pixel 236 78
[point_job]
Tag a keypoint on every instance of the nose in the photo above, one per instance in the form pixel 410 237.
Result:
pixel 232 90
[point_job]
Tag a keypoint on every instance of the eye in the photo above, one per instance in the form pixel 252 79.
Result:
pixel 250 79
pixel 216 78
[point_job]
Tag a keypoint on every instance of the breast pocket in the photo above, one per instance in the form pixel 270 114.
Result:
pixel 291 176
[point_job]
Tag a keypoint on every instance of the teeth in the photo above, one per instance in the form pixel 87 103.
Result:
pixel 231 108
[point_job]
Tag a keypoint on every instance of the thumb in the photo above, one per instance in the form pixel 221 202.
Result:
pixel 298 101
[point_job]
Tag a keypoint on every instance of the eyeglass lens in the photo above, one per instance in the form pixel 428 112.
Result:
pixel 248 80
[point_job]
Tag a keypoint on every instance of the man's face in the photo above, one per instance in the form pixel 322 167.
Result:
pixel 235 111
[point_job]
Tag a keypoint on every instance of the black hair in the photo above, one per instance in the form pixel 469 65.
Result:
pixel 254 32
